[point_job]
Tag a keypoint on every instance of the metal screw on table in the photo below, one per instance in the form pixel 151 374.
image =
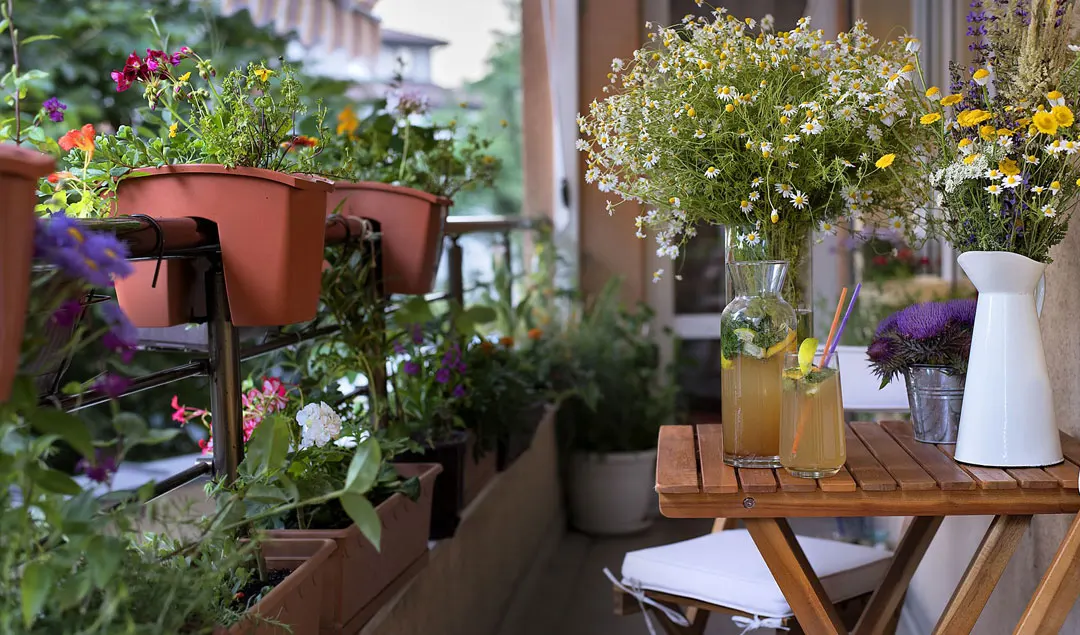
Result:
pixel 748 502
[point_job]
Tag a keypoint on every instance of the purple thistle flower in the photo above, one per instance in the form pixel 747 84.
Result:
pixel 54 108
pixel 459 391
pixel 67 313
pixel 442 375
pixel 112 385
pixel 411 368
pixel 100 470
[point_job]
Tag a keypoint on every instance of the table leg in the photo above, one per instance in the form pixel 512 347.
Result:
pixel 793 574
pixel 1058 590
pixel 982 575
pixel 889 596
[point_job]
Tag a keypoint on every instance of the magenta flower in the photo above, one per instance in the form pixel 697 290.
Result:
pixel 100 470
pixel 67 313
pixel 112 385
pixel 54 108
pixel 411 368
pixel 459 391
pixel 442 375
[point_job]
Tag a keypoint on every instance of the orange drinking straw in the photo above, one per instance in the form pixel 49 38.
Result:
pixel 835 323
pixel 804 412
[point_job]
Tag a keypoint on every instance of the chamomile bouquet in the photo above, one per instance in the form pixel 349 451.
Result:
pixel 722 121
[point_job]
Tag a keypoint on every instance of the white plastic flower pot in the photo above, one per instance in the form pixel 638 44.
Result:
pixel 612 494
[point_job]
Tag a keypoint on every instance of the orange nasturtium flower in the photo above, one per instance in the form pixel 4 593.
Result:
pixel 506 341
pixel 347 122
pixel 82 138
pixel 535 334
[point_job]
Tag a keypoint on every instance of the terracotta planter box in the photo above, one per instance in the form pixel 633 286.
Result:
pixel 272 231
pixel 449 493
pixel 411 223
pixel 357 576
pixel 478 471
pixel 20 170
pixel 296 601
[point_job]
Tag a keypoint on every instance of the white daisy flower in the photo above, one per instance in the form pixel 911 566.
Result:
pixel 811 126
pixel 657 275
pixel 1055 187
pixel 1070 147
pixel 1038 189
pixel 788 110
pixel 675 202
pixel 699 134
pixel 784 189
pixel 581 145
pixel 873 132
pixel 711 173
pixel 793 165
pixel 994 189
pixel 752 238
pixel 992 174
pixel 1049 211
pixel 607 182
pixel 592 174
pixel 651 159
pixel 791 138
pixel 746 206
pixel 846 163
pixel 766 147
pixel 1011 181
pixel 912 45
pixel 756 182
pixel 799 200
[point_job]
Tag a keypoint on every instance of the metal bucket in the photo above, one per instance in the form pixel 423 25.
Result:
pixel 935 397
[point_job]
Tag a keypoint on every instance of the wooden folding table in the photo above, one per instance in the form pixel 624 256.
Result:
pixel 887 473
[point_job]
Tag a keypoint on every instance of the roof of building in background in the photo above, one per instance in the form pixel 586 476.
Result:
pixel 328 25
pixel 390 36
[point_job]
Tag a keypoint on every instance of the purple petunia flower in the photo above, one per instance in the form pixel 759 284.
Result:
pixel 417 334
pixel 108 254
pixel 100 470
pixel 398 348
pixel 442 375
pixel 54 108
pixel 91 256
pixel 459 391
pixel 112 385
pixel 411 368
pixel 67 313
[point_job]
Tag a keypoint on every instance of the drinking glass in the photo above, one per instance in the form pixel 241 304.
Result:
pixel 812 441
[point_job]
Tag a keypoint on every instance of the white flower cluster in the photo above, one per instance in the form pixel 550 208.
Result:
pixel 319 425
pixel 951 177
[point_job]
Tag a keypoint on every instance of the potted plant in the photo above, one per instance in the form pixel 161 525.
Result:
pixel 402 173
pixel 610 429
pixel 227 152
pixel 997 161
pixel 928 343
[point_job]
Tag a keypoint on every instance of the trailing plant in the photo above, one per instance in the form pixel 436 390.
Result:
pixel 928 333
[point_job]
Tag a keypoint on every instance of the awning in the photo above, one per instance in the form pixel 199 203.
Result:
pixel 330 25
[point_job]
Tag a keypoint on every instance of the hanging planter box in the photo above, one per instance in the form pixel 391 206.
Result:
pixel 449 494
pixel 412 224
pixel 358 579
pixel 272 230
pixel 513 444
pixel 479 470
pixel 296 600
pixel 20 170
pixel 170 303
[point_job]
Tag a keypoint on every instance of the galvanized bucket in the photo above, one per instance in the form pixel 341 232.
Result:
pixel 935 397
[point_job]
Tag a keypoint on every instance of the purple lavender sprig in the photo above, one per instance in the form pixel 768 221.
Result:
pixel 927 333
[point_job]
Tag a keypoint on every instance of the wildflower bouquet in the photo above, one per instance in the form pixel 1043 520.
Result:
pixel 928 333
pixel 1002 163
pixel 725 122
pixel 249 118
pixel 392 145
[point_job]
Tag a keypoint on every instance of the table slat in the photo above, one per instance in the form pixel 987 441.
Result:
pixel 1070 447
pixel 906 470
pixel 945 471
pixel 717 477
pixel 839 482
pixel 1066 473
pixel 864 468
pixel 985 477
pixel 757 480
pixel 1033 478
pixel 789 483
pixel 676 464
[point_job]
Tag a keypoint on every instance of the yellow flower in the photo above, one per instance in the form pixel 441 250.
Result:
pixel 987 132
pixel 1062 115
pixel 929 118
pixel 690 112
pixel 885 161
pixel 1045 123
pixel 347 121
pixel 981 76
pixel 933 93
pixel 969 159
pixel 1078 182
pixel 729 108
pixel 973 117
pixel 950 100
pixel 964 143
pixel 172 130
pixel 186 76
pixel 1008 167
pixel 1055 98
pixel 784 119
pixel 263 73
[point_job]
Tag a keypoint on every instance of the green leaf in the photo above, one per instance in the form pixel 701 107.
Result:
pixel 66 426
pixel 53 481
pixel 103 556
pixel 467 321
pixel 156 436
pixel 364 515
pixel 364 468
pixel 130 426
pixel 267 447
pixel 36 581
pixel 39 38
pixel 264 493
pixel 415 310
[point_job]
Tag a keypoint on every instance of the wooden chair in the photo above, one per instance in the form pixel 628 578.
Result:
pixel 697 613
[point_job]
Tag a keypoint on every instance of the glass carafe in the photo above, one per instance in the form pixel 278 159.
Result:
pixel 757 329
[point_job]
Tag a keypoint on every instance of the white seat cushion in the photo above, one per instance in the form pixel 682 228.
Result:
pixel 725 568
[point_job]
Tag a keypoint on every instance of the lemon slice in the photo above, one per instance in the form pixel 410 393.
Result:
pixel 726 363
pixel 793 373
pixel 781 346
pixel 745 335
pixel 807 350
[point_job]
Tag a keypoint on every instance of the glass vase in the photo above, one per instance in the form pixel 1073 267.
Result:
pixel 757 328
pixel 791 243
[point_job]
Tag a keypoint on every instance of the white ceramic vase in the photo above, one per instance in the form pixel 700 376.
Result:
pixel 1007 419
pixel 612 494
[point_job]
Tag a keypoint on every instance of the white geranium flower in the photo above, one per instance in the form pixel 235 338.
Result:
pixel 319 425
pixel 348 442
